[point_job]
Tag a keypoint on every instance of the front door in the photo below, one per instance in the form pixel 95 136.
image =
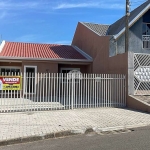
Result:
pixel 29 79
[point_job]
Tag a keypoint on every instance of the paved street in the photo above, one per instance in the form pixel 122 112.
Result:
pixel 135 140
pixel 21 125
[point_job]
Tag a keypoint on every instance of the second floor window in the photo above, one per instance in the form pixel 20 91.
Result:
pixel 146 35
pixel 146 28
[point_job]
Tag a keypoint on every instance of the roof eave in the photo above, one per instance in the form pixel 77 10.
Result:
pixel 133 21
pixel 82 53
pixel 45 59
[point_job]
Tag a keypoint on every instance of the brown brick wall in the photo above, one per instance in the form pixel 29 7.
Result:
pixel 98 48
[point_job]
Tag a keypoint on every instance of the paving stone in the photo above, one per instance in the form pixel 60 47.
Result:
pixel 15 125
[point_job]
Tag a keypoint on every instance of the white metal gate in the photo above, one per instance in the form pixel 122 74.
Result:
pixel 141 74
pixel 53 91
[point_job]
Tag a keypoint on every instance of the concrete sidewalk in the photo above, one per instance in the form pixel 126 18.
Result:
pixel 24 125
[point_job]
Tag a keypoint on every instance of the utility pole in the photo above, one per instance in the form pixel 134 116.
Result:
pixel 127 25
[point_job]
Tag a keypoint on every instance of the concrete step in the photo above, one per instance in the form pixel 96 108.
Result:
pixel 144 98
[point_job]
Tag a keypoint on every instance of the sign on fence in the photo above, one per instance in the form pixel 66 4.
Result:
pixel 10 82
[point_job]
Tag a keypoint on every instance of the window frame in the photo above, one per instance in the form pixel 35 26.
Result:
pixel 10 67
pixel 28 66
pixel 66 73
pixel 145 23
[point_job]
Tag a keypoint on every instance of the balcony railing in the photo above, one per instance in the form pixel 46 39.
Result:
pixel 146 41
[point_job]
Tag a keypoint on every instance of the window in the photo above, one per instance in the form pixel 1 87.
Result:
pixel 146 29
pixel 8 70
pixel 67 70
pixel 146 35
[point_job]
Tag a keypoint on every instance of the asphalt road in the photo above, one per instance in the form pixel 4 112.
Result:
pixel 139 139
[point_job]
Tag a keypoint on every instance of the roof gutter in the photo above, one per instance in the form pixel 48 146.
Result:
pixel 45 59
pixel 133 21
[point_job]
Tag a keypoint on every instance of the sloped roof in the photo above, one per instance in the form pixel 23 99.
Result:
pixel 116 27
pixel 33 50
pixel 119 25
pixel 97 28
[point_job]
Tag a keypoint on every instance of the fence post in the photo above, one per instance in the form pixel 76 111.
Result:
pixel 72 98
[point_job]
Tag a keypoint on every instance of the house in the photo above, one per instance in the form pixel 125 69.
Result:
pixel 95 48
pixel 16 57
pixel 26 60
pixel 106 45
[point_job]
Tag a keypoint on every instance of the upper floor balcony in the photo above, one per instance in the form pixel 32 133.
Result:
pixel 146 41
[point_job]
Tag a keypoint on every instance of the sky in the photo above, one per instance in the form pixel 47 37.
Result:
pixel 55 21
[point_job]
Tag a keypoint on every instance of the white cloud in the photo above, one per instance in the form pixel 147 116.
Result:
pixel 90 5
pixel 79 5
pixel 11 5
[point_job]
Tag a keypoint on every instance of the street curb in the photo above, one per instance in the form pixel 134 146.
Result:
pixel 120 127
pixel 67 133
pixel 45 136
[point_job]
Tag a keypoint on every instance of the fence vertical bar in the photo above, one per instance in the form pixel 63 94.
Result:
pixel 84 101
pixel 121 80
pixel 32 91
pixel 67 94
pixel 37 96
pixel 81 91
pixel 62 90
pixel 108 89
pixel 101 89
pixel 40 90
pixel 48 100
pixel 3 97
pixel 26 83
pixel 91 99
pixel 63 99
pixel 72 97
pixel 55 88
pixel 79 97
pixel 51 89
pixel 88 90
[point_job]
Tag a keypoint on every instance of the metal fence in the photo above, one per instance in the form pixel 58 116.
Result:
pixel 54 91
pixel 141 74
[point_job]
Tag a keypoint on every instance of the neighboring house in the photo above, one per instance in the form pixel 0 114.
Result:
pixel 16 57
pixel 106 45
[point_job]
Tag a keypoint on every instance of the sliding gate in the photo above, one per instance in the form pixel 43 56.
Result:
pixel 141 74
pixel 53 91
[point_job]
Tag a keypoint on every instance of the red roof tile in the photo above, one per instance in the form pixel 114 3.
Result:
pixel 33 50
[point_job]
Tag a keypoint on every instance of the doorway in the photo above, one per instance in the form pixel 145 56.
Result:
pixel 30 79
